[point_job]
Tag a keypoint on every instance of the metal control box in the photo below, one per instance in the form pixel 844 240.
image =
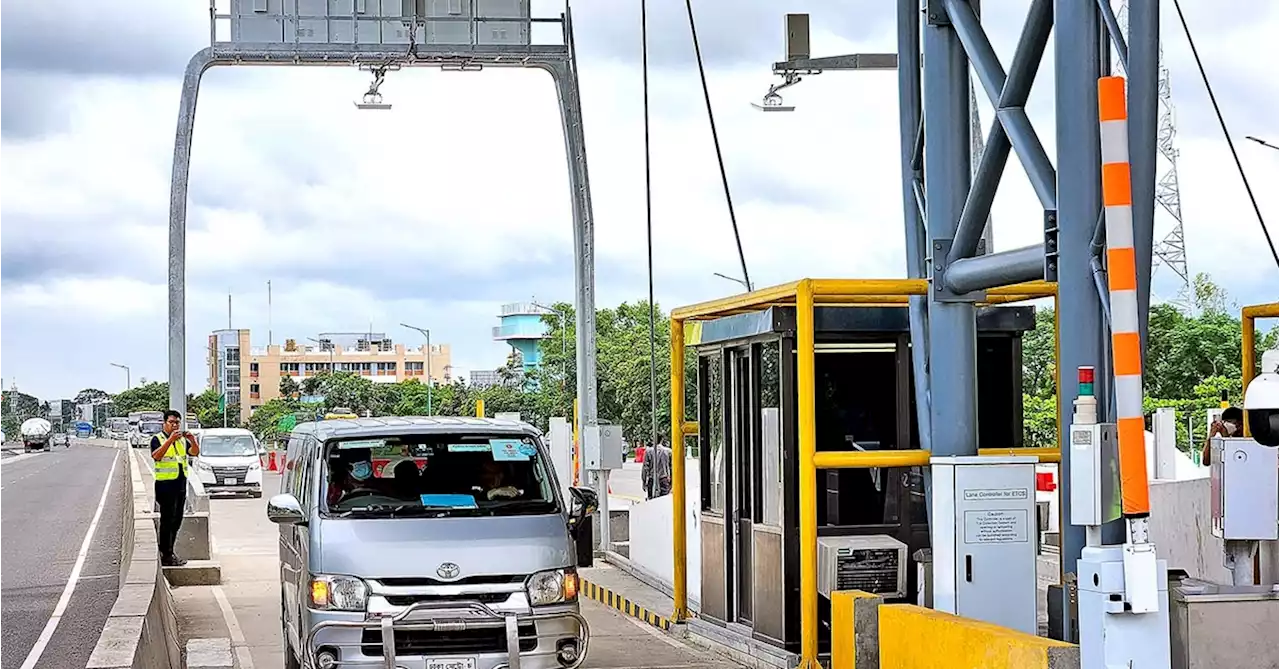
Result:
pixel 601 447
pixel 1095 475
pixel 984 539
pixel 874 563
pixel 1243 489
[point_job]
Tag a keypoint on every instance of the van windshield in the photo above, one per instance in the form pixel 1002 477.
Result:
pixel 150 427
pixel 222 445
pixel 437 475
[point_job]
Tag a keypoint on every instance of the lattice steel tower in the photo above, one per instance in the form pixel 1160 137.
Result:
pixel 1172 250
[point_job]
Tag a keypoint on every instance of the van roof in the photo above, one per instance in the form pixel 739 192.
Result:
pixel 398 425
pixel 225 432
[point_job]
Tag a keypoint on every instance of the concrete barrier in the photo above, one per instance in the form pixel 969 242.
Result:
pixel 141 631
pixel 912 637
pixel 855 630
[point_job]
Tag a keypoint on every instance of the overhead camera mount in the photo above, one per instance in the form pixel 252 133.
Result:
pixel 799 63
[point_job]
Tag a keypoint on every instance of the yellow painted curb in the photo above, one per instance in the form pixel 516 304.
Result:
pixel 613 600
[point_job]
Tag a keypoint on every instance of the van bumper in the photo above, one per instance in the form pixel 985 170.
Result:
pixel 431 631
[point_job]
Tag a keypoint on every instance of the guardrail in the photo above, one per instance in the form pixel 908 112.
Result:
pixel 141 631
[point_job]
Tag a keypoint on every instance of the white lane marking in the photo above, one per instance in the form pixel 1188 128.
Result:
pixel 16 458
pixel 47 634
pixel 243 657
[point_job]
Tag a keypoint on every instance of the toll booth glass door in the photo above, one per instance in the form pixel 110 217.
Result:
pixel 744 464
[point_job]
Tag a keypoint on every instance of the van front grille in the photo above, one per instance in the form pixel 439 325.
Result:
pixel 463 642
pixel 482 597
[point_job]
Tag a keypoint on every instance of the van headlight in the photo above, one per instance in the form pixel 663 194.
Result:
pixel 203 466
pixel 558 586
pixel 338 593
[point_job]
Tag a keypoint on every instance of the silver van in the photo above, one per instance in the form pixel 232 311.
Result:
pixel 427 543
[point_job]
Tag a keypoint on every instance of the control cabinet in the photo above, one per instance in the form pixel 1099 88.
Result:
pixel 984 544
pixel 1095 475
pixel 601 447
pixel 1243 489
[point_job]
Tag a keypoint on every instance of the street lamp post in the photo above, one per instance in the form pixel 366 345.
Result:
pixel 426 332
pixel 740 282
pixel 128 382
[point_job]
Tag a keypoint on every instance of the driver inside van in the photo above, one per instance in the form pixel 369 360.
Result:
pixel 493 482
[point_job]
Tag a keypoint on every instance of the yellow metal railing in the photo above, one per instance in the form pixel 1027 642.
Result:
pixel 1248 352
pixel 805 294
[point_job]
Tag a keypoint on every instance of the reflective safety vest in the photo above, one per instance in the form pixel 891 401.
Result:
pixel 174 460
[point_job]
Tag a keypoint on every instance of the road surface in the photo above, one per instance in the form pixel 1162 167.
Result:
pixel 49 501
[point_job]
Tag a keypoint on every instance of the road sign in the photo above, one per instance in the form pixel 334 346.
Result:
pixel 286 423
pixel 370 23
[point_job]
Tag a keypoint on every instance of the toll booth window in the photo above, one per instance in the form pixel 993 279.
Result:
pixel 771 433
pixel 711 431
pixel 437 476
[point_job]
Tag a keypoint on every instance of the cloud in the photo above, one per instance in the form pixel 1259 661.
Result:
pixel 457 200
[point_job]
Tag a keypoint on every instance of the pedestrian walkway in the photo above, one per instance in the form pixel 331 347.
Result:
pixel 246 607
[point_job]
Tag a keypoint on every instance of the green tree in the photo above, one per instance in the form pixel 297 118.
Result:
pixel 289 387
pixel 149 397
pixel 1038 355
pixel 622 368
pixel 16 407
pixel 265 420
pixel 91 395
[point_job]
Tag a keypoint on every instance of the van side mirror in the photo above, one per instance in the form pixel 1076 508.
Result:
pixel 284 509
pixel 584 503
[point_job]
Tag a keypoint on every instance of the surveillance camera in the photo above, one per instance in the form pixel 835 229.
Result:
pixel 1262 408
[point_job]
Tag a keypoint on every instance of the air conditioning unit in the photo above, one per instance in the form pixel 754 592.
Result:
pixel 876 564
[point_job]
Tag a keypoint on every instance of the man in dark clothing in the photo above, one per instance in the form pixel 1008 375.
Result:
pixel 170 450
pixel 655 472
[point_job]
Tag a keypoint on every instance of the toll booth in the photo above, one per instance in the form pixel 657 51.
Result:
pixel 748 450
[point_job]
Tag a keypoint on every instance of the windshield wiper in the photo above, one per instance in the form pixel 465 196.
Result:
pixel 527 505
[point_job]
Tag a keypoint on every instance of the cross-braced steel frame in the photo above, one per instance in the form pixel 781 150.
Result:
pixel 558 60
pixel 946 206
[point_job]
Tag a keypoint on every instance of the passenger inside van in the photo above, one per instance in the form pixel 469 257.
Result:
pixel 462 476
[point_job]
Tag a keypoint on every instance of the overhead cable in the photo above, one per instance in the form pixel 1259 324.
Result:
pixel 1230 144
pixel 648 225
pixel 715 138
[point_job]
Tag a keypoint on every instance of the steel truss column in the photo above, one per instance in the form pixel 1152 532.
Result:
pixel 952 338
pixel 1143 59
pixel 1077 66
pixel 912 216
pixel 1011 130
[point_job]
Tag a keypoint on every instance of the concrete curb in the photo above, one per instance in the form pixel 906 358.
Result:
pixel 142 630
pixel 616 601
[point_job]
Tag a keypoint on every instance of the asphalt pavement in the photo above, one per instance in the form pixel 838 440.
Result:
pixel 49 500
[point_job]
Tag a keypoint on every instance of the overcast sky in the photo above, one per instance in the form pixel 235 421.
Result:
pixel 456 201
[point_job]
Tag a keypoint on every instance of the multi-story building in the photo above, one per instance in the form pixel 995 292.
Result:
pixel 522 328
pixel 484 378
pixel 251 376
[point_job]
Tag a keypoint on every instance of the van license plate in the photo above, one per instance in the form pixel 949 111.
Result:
pixel 229 481
pixel 452 663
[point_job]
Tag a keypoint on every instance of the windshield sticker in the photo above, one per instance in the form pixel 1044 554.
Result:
pixel 362 443
pixel 448 501
pixel 508 450
pixel 469 448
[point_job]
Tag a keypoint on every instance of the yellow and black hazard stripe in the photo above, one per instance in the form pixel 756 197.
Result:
pixel 614 600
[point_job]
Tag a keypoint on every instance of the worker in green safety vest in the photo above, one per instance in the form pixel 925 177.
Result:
pixel 170 450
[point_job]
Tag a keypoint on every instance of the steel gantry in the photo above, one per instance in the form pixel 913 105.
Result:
pixel 467 36
pixel 945 210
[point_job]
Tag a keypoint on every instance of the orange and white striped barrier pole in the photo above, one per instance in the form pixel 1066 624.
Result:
pixel 1122 276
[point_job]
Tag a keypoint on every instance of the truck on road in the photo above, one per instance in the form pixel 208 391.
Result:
pixel 36 433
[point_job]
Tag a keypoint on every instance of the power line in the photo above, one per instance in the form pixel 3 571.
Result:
pixel 648 224
pixel 715 138
pixel 1222 122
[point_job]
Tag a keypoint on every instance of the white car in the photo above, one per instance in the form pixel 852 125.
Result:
pixel 229 461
